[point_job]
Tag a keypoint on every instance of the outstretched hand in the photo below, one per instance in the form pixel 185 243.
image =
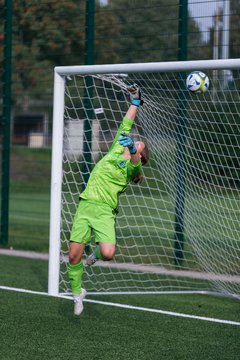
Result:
pixel 135 94
pixel 127 141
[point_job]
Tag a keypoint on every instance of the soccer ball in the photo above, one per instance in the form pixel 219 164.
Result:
pixel 197 82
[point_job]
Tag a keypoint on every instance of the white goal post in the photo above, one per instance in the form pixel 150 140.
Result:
pixel 179 231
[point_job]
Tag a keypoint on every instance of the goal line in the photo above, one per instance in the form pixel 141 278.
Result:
pixel 128 307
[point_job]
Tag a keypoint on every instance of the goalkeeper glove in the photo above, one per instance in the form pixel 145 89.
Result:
pixel 135 94
pixel 127 141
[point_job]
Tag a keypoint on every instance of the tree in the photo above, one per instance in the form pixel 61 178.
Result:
pixel 48 34
pixel 234 35
pixel 149 32
pixel 44 35
pixel 106 30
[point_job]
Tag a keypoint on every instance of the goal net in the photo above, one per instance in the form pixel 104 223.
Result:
pixel 179 230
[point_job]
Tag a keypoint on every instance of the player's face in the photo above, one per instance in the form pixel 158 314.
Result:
pixel 140 146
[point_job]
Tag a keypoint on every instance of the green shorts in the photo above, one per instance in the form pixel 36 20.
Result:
pixel 96 217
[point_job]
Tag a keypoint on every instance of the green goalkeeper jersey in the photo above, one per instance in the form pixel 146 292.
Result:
pixel 112 173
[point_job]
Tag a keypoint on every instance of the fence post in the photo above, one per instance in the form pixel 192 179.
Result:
pixel 89 60
pixel 6 120
pixel 181 137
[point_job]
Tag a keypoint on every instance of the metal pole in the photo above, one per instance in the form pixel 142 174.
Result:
pixel 56 185
pixel 89 60
pixel 181 137
pixel 225 39
pixel 216 30
pixel 151 67
pixel 6 121
pixel 183 30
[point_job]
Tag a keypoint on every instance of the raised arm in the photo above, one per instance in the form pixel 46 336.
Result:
pixel 132 112
pixel 126 140
pixel 126 125
pixel 136 101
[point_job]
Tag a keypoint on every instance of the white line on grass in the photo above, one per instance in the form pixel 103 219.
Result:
pixel 164 312
pixel 157 311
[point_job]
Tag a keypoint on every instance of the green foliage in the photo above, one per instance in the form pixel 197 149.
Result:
pixel 44 35
pixel 50 33
pixel 149 32
pixel 47 34
pixel 234 35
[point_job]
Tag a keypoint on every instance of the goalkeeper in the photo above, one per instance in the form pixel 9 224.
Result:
pixel 99 201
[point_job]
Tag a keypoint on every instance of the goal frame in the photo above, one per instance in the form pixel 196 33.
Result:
pixel 60 73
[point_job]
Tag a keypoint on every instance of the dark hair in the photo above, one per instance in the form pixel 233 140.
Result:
pixel 144 159
pixel 145 155
pixel 138 179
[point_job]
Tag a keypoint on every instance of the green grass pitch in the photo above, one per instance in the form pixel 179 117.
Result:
pixel 42 327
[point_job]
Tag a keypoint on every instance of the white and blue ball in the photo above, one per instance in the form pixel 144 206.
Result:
pixel 197 82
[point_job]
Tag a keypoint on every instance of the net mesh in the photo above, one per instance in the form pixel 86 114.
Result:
pixel 191 181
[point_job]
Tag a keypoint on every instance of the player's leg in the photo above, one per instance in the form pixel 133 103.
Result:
pixel 75 266
pixel 107 250
pixel 80 236
pixel 103 251
pixel 75 272
pixel 103 224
